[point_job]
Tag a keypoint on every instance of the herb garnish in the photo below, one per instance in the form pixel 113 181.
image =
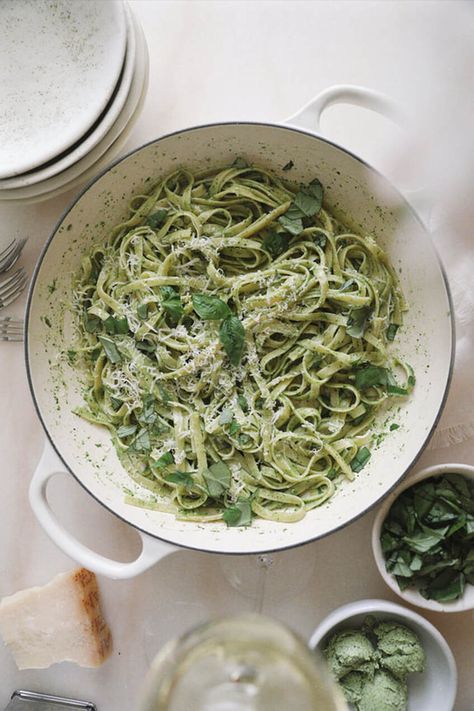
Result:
pixel 217 479
pixel 157 218
pixel 209 307
pixel 232 337
pixel 164 461
pixel 307 203
pixel 181 478
pixel 239 514
pixel 110 349
pixel 427 537
pixel 288 166
pixel 360 459
pixel 171 302
pixel 358 321
pixel 275 243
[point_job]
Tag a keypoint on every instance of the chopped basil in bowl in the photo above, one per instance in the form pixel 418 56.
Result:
pixel 423 538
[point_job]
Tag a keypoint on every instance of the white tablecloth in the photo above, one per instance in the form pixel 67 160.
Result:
pixel 213 61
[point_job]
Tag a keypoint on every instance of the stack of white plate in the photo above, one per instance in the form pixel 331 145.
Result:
pixel 73 79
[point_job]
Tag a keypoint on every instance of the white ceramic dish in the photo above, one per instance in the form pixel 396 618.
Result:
pixel 55 91
pixel 432 690
pixel 107 147
pixel 372 203
pixel 99 134
pixel 410 595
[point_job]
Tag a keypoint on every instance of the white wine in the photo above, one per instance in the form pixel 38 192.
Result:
pixel 248 663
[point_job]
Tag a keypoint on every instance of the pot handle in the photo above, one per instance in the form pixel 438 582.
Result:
pixel 152 549
pixel 309 116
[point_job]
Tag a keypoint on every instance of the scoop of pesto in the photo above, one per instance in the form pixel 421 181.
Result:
pixel 371 663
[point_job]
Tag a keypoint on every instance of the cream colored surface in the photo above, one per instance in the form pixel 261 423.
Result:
pixel 215 61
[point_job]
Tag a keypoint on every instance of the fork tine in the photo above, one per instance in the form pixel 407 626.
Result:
pixel 12 287
pixel 6 254
pixel 11 329
pixel 10 254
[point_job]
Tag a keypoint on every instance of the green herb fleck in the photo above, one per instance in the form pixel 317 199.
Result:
pixel 360 460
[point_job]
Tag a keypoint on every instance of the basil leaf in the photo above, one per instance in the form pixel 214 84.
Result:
pixel 234 428
pixel 292 221
pixel 309 199
pixel 171 302
pixel 141 443
pixel 358 321
pixel 446 587
pixel 367 376
pixel 232 337
pixel 181 478
pixel 116 325
pixel 275 243
pixel 148 414
pixel 360 459
pixel 110 349
pixel 164 393
pixel 145 346
pixel 210 308
pixel 164 461
pixel 288 166
pixel 394 426
pixel 116 403
pixel 142 311
pixel 391 331
pixel 157 218
pixel 243 404
pixel 92 324
pixel 225 417
pixel 217 479
pixel 240 514
pixel 126 430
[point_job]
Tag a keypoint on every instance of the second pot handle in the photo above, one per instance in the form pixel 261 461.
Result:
pixel 152 549
pixel 309 116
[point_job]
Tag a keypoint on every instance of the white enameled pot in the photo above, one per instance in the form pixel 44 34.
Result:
pixel 351 187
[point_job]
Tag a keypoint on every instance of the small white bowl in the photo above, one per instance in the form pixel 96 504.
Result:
pixel 466 602
pixel 432 690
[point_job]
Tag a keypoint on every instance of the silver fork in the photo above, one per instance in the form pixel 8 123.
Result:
pixel 10 254
pixel 11 329
pixel 12 286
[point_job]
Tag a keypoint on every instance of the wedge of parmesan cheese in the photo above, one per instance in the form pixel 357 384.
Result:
pixel 61 621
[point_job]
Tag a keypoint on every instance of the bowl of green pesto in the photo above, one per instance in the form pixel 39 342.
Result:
pixel 385 657
pixel 423 538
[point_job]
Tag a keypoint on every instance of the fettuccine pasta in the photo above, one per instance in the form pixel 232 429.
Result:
pixel 236 337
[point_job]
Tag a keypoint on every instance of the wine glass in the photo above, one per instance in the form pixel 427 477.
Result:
pixel 243 663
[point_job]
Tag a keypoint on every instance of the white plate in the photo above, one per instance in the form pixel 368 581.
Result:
pixel 59 65
pixel 97 132
pixel 105 149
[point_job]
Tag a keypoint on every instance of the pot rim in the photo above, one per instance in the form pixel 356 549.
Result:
pixel 298 130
